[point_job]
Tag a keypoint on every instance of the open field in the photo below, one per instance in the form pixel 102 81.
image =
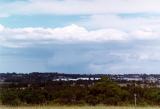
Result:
pixel 77 107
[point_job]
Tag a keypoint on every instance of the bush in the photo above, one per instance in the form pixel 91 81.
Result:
pixel 9 97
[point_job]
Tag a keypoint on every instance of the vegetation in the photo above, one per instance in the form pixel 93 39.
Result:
pixel 76 107
pixel 103 92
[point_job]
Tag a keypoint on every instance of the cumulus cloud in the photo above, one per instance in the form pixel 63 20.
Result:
pixel 19 37
pixel 68 34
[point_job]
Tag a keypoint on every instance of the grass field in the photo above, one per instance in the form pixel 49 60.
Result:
pixel 76 107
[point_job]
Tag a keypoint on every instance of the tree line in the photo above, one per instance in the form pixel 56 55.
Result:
pixel 104 92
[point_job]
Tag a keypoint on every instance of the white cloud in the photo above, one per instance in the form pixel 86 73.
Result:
pixel 82 6
pixel 145 34
pixel 93 6
pixel 1 28
pixel 127 22
pixel 70 34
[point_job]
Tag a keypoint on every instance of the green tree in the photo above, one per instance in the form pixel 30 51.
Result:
pixel 9 97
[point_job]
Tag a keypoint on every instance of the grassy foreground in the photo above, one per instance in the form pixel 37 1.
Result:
pixel 77 107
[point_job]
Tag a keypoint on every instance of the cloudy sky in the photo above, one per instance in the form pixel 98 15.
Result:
pixel 80 36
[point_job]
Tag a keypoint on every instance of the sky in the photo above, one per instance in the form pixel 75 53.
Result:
pixel 80 36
